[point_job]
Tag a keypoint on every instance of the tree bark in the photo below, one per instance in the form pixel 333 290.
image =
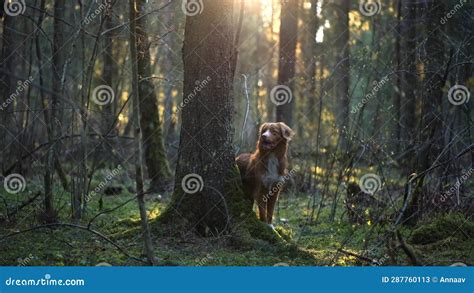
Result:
pixel 397 95
pixel 168 70
pixel 154 149
pixel 134 38
pixel 54 122
pixel 6 88
pixel 108 74
pixel 342 74
pixel 287 60
pixel 311 69
pixel 409 76
pixel 208 198
pixel 431 126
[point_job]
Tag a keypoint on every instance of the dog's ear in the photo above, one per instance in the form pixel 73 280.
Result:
pixel 261 129
pixel 286 131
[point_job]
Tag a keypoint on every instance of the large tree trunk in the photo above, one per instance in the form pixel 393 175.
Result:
pixel 208 196
pixel 154 149
pixel 287 60
pixel 341 74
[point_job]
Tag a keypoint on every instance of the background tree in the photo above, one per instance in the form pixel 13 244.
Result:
pixel 154 150
pixel 6 85
pixel 287 60
pixel 409 76
pixel 135 40
pixel 341 71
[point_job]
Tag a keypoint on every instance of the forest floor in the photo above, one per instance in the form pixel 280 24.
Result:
pixel 436 242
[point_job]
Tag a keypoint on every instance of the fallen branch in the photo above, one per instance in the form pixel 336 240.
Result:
pixel 408 251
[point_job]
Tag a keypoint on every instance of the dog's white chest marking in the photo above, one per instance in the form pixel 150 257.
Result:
pixel 271 175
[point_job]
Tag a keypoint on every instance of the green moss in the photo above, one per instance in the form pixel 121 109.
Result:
pixel 285 233
pixel 442 227
pixel 249 242
pixel 245 228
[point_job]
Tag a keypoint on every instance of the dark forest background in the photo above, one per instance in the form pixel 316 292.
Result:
pixel 120 122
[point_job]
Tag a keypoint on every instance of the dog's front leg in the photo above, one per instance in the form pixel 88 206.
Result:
pixel 261 204
pixel 271 205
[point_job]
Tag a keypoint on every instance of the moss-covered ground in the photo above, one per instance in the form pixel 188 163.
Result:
pixel 436 241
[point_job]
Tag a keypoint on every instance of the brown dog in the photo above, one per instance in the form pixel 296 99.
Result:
pixel 262 170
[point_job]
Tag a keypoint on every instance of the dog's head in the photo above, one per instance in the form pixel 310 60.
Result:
pixel 273 135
